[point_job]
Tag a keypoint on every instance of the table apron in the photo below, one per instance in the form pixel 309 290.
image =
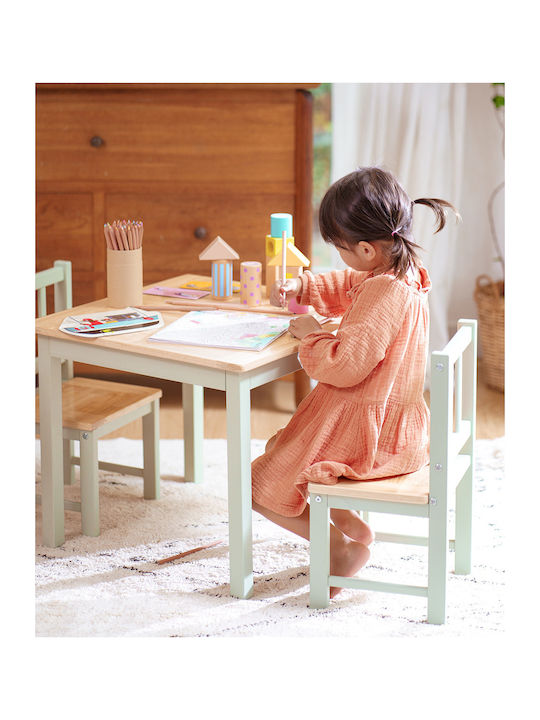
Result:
pixel 163 368
pixel 274 370
pixel 167 369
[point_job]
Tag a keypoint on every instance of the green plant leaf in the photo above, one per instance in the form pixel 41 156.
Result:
pixel 498 101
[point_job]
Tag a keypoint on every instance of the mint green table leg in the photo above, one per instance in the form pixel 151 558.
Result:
pixel 151 452
pixel 239 485
pixel 193 408
pixel 52 476
pixel 319 551
pixel 89 484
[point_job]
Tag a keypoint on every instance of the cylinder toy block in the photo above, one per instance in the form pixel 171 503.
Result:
pixel 222 280
pixel 279 223
pixel 124 277
pixel 250 283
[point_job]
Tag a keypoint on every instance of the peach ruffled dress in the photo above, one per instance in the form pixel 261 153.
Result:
pixel 366 418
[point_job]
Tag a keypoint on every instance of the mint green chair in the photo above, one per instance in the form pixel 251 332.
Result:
pixel 428 493
pixel 92 408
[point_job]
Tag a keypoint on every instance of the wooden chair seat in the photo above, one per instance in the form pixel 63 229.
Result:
pixel 88 404
pixel 411 488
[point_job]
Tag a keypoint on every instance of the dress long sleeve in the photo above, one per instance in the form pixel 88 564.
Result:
pixel 365 335
pixel 328 293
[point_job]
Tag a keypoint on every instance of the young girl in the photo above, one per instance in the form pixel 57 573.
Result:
pixel 366 417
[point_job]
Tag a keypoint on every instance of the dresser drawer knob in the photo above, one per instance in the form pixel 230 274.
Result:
pixel 96 141
pixel 200 232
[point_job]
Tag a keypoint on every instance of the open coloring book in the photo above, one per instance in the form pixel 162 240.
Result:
pixel 224 329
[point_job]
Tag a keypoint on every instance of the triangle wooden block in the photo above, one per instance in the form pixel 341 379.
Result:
pixel 294 258
pixel 219 250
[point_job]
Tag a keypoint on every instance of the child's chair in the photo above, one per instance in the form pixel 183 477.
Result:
pixel 426 493
pixel 92 408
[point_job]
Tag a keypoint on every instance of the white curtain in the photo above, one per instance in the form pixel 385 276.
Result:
pixel 417 131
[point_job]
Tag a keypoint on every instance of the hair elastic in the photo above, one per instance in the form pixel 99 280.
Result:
pixel 395 231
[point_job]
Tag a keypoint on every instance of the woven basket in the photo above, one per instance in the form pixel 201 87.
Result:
pixel 489 297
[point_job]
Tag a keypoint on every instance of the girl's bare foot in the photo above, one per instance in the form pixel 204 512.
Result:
pixel 346 558
pixel 351 524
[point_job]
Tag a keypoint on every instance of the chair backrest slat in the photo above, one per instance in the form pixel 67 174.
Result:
pixel 453 399
pixel 60 277
pixel 41 302
pixel 458 394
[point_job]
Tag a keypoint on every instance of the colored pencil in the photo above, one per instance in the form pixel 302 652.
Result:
pixel 201 305
pixel 179 308
pixel 189 552
pixel 124 234
pixel 284 257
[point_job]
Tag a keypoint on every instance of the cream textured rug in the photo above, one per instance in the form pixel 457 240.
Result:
pixel 111 585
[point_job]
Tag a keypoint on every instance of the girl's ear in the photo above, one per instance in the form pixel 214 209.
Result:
pixel 366 251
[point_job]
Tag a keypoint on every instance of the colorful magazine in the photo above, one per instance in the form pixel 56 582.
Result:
pixel 116 322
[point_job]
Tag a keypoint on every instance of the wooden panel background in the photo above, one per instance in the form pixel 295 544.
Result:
pixel 179 157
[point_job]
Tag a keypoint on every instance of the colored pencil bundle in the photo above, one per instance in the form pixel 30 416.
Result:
pixel 124 234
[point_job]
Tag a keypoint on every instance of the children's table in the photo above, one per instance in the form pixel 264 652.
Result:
pixel 233 371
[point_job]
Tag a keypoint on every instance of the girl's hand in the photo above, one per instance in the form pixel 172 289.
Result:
pixel 280 293
pixel 303 325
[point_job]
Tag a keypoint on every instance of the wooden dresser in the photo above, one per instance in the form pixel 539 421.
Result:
pixel 192 161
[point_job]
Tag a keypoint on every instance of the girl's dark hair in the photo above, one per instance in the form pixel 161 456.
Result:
pixel 370 205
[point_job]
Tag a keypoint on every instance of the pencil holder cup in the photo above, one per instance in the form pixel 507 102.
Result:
pixel 124 277
pixel 250 283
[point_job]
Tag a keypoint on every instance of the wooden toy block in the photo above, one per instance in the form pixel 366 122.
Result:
pixel 295 263
pixel 218 250
pixel 273 245
pixel 221 255
pixel 250 283
pixel 295 260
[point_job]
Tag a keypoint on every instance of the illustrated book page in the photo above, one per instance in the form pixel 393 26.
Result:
pixel 219 328
pixel 124 320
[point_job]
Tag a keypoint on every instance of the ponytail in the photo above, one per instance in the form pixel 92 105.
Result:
pixel 369 205
pixel 438 206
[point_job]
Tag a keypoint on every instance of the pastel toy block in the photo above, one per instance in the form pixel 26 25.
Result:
pixel 221 256
pixel 250 283
pixel 219 250
pixel 280 223
pixel 273 245
pixel 295 259
pixel 296 262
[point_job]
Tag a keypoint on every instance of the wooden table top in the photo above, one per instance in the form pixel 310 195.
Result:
pixel 137 342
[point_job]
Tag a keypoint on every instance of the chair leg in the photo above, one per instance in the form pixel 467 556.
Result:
pixel 151 452
pixel 69 470
pixel 319 551
pixel 463 539
pixel 437 563
pixel 89 484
